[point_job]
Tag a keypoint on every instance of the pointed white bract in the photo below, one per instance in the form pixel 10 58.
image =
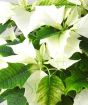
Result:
pixel 61 63
pixel 41 16
pixel 25 48
pixel 31 86
pixel 61 47
pixel 4 103
pixel 2 41
pixel 29 21
pixel 22 19
pixel 5 11
pixel 81 26
pixel 72 44
pixel 73 16
pixel 56 44
pixel 81 98
pixel 25 53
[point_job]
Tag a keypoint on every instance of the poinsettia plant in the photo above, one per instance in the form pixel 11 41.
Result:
pixel 44 52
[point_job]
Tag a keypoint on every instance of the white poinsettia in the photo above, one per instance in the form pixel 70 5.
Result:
pixel 27 54
pixel 39 17
pixel 28 21
pixel 31 86
pixel 81 98
pixel 62 46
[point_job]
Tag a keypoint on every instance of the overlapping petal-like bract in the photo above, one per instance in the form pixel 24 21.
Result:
pixel 81 98
pixel 39 17
pixel 5 11
pixel 25 53
pixel 32 20
pixel 81 26
pixel 31 86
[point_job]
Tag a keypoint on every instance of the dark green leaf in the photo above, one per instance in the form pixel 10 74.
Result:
pixel 6 51
pixel 41 33
pixel 14 42
pixel 14 97
pixel 76 56
pixel 66 100
pixel 4 26
pixel 14 75
pixel 84 45
pixel 79 76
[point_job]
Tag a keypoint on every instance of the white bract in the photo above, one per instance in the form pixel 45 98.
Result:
pixel 39 17
pixel 5 11
pixel 4 103
pixel 25 53
pixel 81 98
pixel 31 86
pixel 81 26
pixel 62 46
pixel 31 20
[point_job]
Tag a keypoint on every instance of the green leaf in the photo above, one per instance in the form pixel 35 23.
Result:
pixel 6 51
pixel 84 45
pixel 66 100
pixel 4 26
pixel 76 56
pixel 55 2
pixel 50 90
pixel 79 76
pixel 14 75
pixel 14 42
pixel 14 97
pixel 41 33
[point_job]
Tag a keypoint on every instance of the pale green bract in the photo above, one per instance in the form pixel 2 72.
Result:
pixel 80 2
